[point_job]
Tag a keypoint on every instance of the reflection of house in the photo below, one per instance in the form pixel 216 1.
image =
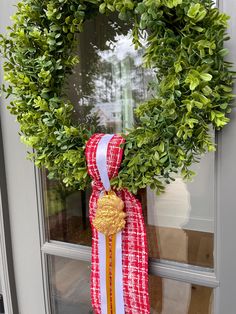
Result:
pixel 111 114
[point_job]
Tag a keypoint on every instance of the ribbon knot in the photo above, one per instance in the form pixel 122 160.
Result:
pixel 129 281
pixel 114 154
pixel 98 186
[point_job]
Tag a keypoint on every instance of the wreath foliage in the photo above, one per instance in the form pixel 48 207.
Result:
pixel 185 47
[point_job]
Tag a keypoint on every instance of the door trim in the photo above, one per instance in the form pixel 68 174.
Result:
pixel 7 275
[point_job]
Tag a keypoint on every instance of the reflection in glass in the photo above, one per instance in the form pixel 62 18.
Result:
pixel 182 219
pixel 66 213
pixel 67 220
pixel 69 286
pixel 108 83
pixel 70 291
pixel 174 297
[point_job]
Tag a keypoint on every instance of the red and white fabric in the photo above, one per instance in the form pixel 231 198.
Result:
pixel 134 239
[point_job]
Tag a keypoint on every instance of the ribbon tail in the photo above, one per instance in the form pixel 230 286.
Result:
pixel 113 273
pixel 119 289
pixel 102 249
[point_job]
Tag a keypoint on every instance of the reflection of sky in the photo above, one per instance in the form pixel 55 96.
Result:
pixel 121 48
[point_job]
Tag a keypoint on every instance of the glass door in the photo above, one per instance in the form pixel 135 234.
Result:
pixel 190 227
pixel 105 88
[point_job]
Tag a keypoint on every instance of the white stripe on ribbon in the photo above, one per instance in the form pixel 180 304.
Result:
pixel 120 307
pixel 101 160
pixel 102 271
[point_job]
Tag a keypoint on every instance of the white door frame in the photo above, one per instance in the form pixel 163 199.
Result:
pixel 22 203
pixel 225 253
pixel 7 278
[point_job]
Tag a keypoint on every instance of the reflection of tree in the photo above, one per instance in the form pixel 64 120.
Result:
pixel 108 83
pixel 81 86
pixel 87 116
pixel 104 81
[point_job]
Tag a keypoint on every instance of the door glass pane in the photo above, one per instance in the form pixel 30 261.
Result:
pixel 181 221
pixel 109 81
pixel 174 297
pixel 66 213
pixel 106 86
pixel 69 286
pixel 70 291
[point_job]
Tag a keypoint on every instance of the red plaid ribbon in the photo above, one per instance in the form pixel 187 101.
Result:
pixel 134 240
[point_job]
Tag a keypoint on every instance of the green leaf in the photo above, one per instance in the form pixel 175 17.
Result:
pixel 206 77
pixel 197 12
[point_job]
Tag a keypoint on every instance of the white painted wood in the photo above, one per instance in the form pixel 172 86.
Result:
pixel 22 205
pixel 5 288
pixel 225 250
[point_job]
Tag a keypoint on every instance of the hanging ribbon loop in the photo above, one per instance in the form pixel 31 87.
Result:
pixel 101 160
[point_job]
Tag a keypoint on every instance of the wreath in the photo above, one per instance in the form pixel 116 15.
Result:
pixel 184 47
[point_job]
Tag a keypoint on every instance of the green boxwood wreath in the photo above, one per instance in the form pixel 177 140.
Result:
pixel 185 47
